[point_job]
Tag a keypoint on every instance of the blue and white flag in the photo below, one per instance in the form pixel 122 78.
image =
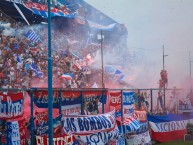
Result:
pixel 169 127
pixel 32 36
pixel 121 141
pixel 118 75
pixel 143 127
pixel 128 104
pixel 110 69
pixel 38 73
pixel 89 40
pixel 67 76
pixel 18 58
pixel 13 134
pixel 131 125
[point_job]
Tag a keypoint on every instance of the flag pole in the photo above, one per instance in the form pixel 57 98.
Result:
pixel 103 85
pixel 50 103
pixel 190 71
pixel 164 81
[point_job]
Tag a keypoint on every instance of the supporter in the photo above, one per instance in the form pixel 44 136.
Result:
pixel 160 99
pixel 96 105
pixel 2 132
pixel 74 84
pixel 2 77
pixel 0 137
pixel 137 100
pixel 146 103
pixel 90 107
pixel 17 54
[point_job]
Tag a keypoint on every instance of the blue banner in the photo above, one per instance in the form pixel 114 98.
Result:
pixel 128 104
pixel 41 99
pixel 128 98
pixel 92 96
pixel 13 134
pixel 89 124
pixel 143 128
pixel 70 98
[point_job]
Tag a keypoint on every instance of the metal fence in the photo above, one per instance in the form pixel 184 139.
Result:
pixel 170 98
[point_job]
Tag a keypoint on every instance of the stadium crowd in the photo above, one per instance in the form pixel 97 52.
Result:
pixel 23 62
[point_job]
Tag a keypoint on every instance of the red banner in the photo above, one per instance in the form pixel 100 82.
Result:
pixel 39 7
pixel 61 140
pixel 11 105
pixel 115 99
pixel 168 136
pixel 23 131
pixel 140 115
pixel 17 131
pixel 115 102
pixel 41 117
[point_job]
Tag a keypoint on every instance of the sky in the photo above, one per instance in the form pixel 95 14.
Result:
pixel 152 24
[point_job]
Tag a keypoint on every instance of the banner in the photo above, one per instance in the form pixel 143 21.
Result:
pixel 120 141
pixel 57 140
pixel 128 104
pixel 41 99
pixel 169 127
pixel 91 96
pixel 130 124
pixel 11 105
pixel 57 125
pixel 140 115
pixel 67 98
pixel 100 138
pixel 115 101
pixel 71 109
pixel 42 125
pixel 23 131
pixel 42 122
pixel 42 10
pixel 70 98
pixel 97 26
pixel 41 117
pixel 139 139
pixel 71 103
pixel 13 134
pixel 144 127
pixel 89 124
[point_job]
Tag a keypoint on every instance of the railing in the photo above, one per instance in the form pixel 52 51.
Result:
pixel 60 94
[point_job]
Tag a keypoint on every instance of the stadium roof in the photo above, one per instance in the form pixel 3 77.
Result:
pixel 34 13
pixel 74 6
